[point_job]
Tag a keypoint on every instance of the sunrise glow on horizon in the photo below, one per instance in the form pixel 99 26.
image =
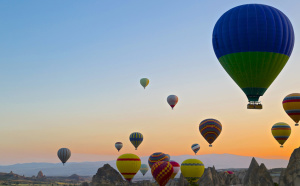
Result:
pixel 70 77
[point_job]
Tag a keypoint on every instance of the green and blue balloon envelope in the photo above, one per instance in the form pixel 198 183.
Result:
pixel 253 42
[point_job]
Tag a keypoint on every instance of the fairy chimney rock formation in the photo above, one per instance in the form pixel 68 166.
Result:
pixel 257 175
pixel 291 175
pixel 107 175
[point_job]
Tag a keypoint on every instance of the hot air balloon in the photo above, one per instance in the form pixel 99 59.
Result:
pixel 158 156
pixel 162 172
pixel 291 105
pixel 253 42
pixel 210 129
pixel 168 156
pixel 144 169
pixel 64 154
pixel 118 145
pixel 195 148
pixel 176 168
pixel 192 170
pixel 136 139
pixel 172 100
pixel 281 132
pixel 229 172
pixel 128 165
pixel 144 82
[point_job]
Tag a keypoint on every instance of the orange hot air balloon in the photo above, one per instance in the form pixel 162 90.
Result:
pixel 128 165
pixel 162 172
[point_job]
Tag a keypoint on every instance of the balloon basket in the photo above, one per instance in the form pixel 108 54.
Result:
pixel 297 124
pixel 210 145
pixel 254 105
pixel 281 146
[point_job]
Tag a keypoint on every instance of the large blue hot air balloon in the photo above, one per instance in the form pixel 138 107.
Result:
pixel 253 42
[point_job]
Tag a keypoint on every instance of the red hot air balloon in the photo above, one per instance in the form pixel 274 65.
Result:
pixel 176 168
pixel 172 100
pixel 162 172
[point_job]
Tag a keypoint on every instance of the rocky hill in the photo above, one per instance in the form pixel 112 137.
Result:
pixel 291 175
pixel 107 175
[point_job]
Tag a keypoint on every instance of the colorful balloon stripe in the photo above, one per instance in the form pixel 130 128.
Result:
pixel 210 129
pixel 281 132
pixel 291 105
pixel 136 139
pixel 158 156
pixel 162 172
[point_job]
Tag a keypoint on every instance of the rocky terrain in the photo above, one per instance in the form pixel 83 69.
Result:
pixel 255 175
pixel 12 178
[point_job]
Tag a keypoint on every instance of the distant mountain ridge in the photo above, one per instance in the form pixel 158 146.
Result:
pixel 220 161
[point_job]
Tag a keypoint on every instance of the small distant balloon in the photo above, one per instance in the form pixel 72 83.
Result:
pixel 144 82
pixel 118 145
pixel 136 139
pixel 176 168
pixel 195 148
pixel 162 172
pixel 281 132
pixel 291 105
pixel 64 154
pixel 229 172
pixel 128 165
pixel 144 169
pixel 210 129
pixel 172 100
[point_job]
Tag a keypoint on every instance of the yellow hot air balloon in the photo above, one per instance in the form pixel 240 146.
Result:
pixel 192 170
pixel 291 105
pixel 128 165
pixel 281 132
pixel 144 82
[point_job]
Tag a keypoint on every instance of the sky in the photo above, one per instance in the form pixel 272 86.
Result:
pixel 70 71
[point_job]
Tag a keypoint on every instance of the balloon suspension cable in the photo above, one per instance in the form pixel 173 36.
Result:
pixel 63 164
pixel 281 146
pixel 297 124
pixel 135 148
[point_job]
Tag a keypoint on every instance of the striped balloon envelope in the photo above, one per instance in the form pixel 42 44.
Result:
pixel 195 148
pixel 144 169
pixel 136 139
pixel 118 145
pixel 291 105
pixel 64 154
pixel 192 170
pixel 128 165
pixel 176 168
pixel 281 132
pixel 210 129
pixel 162 172
pixel 253 42
pixel 158 156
